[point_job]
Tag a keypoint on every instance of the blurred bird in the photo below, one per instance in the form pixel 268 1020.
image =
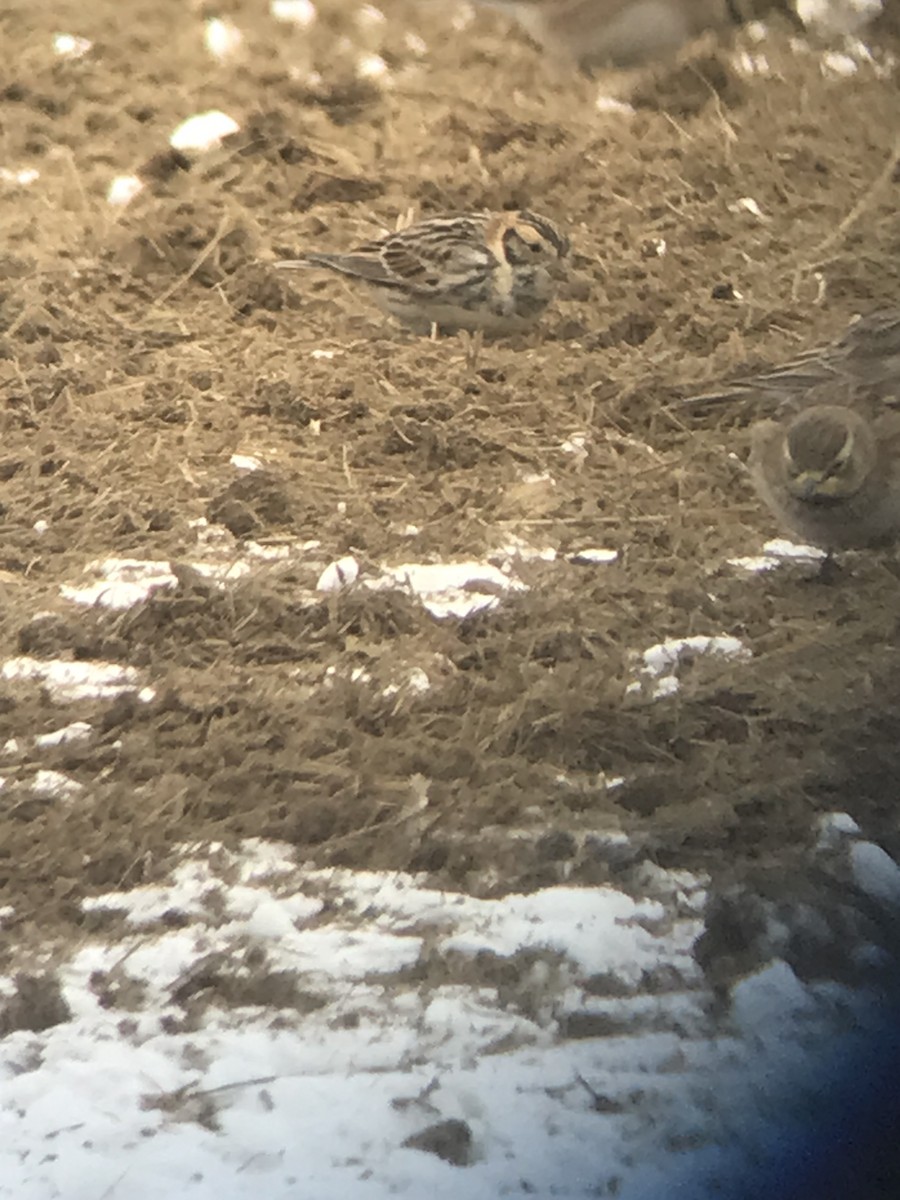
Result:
pixel 831 476
pixel 493 272
pixel 623 33
pixel 864 360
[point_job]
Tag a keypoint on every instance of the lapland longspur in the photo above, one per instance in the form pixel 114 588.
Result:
pixel 831 476
pixel 623 33
pixel 864 360
pixel 489 271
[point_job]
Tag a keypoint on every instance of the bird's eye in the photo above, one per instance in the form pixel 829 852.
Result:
pixel 535 247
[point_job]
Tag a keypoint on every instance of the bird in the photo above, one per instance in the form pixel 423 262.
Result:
pixel 831 475
pixel 493 272
pixel 863 361
pixel 622 33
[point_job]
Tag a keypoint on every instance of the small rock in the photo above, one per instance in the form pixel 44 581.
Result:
pixel 450 1140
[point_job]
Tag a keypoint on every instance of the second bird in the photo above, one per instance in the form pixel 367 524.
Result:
pixel 489 271
pixel 831 476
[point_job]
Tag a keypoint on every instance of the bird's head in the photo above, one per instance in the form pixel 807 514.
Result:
pixel 829 452
pixel 525 239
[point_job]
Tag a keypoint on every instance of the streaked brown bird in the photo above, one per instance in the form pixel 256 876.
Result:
pixel 490 271
pixel 863 362
pixel 624 33
pixel 831 476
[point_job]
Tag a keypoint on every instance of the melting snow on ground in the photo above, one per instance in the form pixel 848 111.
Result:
pixel 251 1027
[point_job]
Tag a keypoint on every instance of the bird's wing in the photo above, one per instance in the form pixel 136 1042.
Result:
pixel 794 378
pixel 866 353
pixel 439 254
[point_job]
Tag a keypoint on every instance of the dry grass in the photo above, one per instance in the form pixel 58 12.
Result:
pixel 141 348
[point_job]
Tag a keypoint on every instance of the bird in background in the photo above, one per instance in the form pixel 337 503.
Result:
pixel 830 475
pixel 863 363
pixel 624 33
pixel 494 272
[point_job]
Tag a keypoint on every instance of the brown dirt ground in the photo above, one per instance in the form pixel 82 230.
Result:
pixel 140 347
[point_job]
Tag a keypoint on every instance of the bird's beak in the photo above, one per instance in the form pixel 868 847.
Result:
pixel 808 485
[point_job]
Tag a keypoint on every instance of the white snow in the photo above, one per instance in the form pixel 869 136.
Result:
pixel 222 38
pixel 339 574
pixel 445 589
pixel 326 1092
pixel 70 681
pixel 876 873
pixel 838 16
pixel 660 663
pixel 21 177
pixel 78 731
pixel 749 205
pixel 68 45
pixel 246 462
pixel 836 63
pixel 372 66
pixel 600 930
pixel 124 582
pixel 834 828
pixel 450 589
pixel 594 556
pixel 314 1090
pixel 123 189
pixel 54 785
pixel 294 12
pixel 775 553
pixel 203 131
pixel 604 103
pixel 577 445
pixel 769 995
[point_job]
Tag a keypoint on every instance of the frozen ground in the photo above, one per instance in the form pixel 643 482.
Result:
pixel 255 1024
pixel 254 1027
